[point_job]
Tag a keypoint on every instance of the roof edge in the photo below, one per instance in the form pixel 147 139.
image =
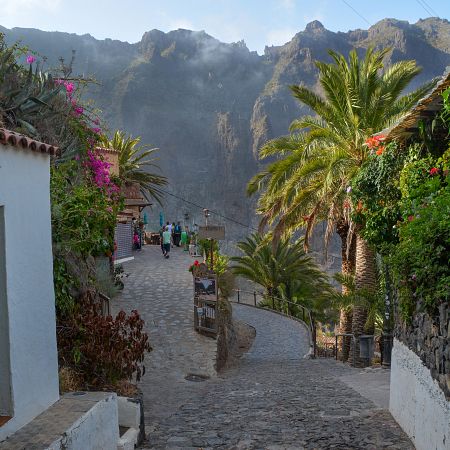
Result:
pixel 18 140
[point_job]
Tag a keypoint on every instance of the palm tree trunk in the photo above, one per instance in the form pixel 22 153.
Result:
pixel 348 268
pixel 365 278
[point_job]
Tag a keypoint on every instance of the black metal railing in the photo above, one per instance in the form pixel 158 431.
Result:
pixel 280 305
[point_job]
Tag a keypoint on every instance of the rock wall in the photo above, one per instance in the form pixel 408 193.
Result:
pixel 417 402
pixel 420 379
pixel 429 338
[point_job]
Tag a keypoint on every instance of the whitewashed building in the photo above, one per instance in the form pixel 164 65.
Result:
pixel 28 354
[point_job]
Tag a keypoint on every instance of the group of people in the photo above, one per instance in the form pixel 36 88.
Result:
pixel 173 235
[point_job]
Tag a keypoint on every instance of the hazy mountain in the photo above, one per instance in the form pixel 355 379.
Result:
pixel 209 106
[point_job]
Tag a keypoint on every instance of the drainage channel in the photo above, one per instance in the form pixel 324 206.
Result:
pixel 196 377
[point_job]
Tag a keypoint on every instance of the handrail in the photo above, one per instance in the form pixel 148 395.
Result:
pixel 311 325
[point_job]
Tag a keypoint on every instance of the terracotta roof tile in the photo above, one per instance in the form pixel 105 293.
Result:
pixel 106 150
pixel 431 103
pixel 20 141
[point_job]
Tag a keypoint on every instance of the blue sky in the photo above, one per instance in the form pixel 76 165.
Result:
pixel 271 22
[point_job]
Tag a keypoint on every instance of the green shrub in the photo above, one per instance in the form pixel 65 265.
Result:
pixel 421 260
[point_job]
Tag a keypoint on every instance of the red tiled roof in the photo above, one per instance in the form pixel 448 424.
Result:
pixel 106 150
pixel 20 141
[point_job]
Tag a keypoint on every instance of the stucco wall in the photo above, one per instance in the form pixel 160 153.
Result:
pixel 24 193
pixel 417 402
pixel 97 429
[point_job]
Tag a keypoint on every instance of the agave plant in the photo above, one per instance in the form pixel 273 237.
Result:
pixel 25 96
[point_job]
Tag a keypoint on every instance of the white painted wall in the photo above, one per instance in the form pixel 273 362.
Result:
pixel 24 193
pixel 97 429
pixel 417 402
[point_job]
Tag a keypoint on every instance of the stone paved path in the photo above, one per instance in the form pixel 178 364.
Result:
pixel 274 399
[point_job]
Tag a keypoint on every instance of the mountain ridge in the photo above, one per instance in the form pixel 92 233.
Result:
pixel 209 105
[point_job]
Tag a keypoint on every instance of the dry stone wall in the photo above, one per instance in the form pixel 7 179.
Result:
pixel 429 338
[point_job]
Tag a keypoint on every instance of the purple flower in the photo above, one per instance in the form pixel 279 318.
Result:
pixel 30 59
pixel 78 110
pixel 349 189
pixel 97 130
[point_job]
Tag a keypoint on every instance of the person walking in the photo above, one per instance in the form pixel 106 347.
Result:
pixel 184 238
pixel 161 231
pixel 177 234
pixel 167 239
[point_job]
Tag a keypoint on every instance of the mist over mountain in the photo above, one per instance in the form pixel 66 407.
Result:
pixel 209 106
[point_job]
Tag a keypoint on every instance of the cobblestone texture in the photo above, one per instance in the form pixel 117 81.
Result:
pixel 275 399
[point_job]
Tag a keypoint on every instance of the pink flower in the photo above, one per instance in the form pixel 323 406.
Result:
pixel 434 171
pixel 30 59
pixel 78 110
pixel 97 130
pixel 410 218
pixel 58 81
pixel 69 87
pixel 109 209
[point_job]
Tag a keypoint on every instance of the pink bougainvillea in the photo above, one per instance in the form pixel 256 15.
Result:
pixel 100 171
pixel 78 110
pixel 30 59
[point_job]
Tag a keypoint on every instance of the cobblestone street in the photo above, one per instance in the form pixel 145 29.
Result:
pixel 274 398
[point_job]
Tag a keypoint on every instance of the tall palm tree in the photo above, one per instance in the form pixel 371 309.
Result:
pixel 360 98
pixel 134 162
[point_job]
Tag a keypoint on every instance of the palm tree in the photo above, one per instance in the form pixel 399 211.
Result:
pixel 281 268
pixel 359 100
pixel 133 160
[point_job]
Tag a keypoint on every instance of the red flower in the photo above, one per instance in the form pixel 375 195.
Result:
pixel 372 143
pixel 359 206
pixel 410 218
pixel 380 150
pixel 196 263
pixel 375 141
pixel 434 171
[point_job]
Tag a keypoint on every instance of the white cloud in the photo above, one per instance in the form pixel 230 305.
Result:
pixel 18 7
pixel 180 23
pixel 280 36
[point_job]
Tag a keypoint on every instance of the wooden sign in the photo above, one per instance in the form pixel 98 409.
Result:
pixel 205 288
pixel 216 232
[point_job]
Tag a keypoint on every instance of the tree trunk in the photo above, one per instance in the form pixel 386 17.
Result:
pixel 365 278
pixel 348 268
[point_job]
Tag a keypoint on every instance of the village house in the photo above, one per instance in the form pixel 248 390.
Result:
pixel 28 366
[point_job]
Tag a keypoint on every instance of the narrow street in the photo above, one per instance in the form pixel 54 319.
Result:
pixel 274 398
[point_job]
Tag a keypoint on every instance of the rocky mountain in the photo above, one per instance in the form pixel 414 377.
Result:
pixel 209 106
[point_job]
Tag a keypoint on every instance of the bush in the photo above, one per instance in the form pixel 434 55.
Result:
pixel 421 260
pixel 102 350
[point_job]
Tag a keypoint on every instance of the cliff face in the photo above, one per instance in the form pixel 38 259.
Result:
pixel 209 106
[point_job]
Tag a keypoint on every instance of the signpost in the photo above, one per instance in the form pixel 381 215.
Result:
pixel 215 232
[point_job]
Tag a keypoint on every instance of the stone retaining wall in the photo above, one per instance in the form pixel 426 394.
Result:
pixel 420 379
pixel 429 338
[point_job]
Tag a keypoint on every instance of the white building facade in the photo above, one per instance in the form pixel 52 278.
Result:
pixel 28 353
